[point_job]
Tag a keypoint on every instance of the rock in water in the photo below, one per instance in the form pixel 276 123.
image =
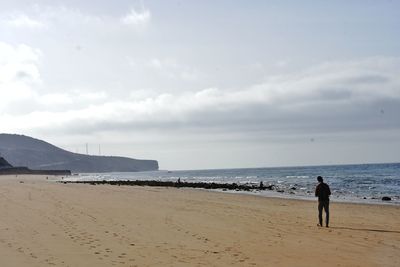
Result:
pixel 386 199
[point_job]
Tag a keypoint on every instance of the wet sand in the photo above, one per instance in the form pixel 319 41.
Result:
pixel 43 223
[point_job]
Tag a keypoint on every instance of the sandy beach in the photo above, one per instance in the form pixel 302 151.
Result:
pixel 44 223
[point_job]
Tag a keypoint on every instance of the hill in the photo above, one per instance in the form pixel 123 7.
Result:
pixel 20 150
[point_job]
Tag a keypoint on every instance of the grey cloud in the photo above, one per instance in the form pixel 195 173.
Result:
pixel 287 105
pixel 335 94
pixel 22 75
pixel 259 122
pixel 368 79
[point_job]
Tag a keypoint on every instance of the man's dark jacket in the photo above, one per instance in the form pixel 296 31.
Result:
pixel 322 192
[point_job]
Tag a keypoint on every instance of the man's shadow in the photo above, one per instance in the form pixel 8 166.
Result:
pixel 365 229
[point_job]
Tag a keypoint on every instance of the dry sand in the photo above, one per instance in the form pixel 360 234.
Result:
pixel 45 223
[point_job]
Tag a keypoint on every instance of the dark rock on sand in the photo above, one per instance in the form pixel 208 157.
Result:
pixel 4 163
pixel 223 186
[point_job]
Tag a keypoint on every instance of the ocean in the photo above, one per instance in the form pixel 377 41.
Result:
pixel 365 183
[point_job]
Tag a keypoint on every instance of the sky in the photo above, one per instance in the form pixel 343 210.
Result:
pixel 205 84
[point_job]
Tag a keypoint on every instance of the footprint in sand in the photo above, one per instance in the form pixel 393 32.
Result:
pixel 33 255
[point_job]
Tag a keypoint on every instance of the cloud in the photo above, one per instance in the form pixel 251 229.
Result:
pixel 334 97
pixel 337 96
pixel 56 17
pixel 19 73
pixel 136 18
pixel 169 68
pixel 61 18
pixel 24 21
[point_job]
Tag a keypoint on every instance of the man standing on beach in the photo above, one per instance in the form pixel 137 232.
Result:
pixel 322 191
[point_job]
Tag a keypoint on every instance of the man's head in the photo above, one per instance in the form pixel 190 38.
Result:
pixel 320 179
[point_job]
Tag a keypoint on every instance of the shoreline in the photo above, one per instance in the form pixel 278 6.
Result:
pixel 231 188
pixel 48 223
pixel 313 199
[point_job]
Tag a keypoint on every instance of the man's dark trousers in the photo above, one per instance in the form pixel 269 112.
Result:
pixel 323 204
